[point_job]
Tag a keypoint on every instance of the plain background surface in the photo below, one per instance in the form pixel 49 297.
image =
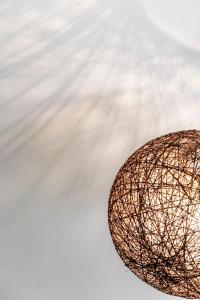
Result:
pixel 83 85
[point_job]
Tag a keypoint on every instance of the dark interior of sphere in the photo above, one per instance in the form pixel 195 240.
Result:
pixel 154 213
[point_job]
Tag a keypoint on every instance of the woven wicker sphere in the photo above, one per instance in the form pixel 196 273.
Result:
pixel 154 213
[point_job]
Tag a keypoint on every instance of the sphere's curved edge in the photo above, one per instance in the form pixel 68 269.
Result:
pixel 184 132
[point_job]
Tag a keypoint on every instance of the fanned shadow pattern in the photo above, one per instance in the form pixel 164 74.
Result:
pixel 154 213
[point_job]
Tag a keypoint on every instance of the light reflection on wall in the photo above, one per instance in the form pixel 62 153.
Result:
pixel 83 84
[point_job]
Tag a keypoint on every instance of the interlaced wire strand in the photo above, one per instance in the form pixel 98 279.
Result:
pixel 154 213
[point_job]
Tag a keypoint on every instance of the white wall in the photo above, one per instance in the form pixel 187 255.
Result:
pixel 83 84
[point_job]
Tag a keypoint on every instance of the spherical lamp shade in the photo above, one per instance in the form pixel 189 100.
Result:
pixel 154 213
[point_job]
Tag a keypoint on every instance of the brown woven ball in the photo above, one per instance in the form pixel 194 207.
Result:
pixel 154 213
